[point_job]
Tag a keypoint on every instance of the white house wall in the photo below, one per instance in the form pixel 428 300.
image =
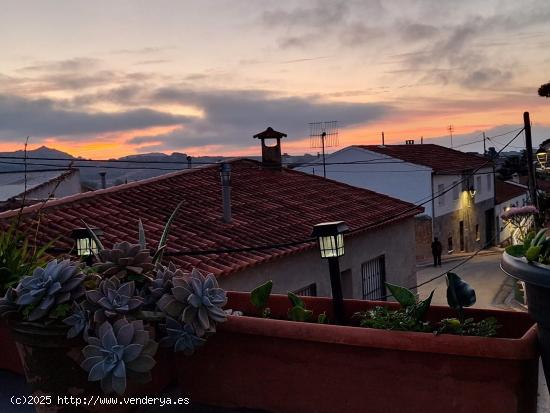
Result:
pixel 446 203
pixel 505 231
pixel 70 185
pixel 397 179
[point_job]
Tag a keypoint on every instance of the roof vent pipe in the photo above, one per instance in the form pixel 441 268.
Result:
pixel 103 179
pixel 225 175
pixel 189 160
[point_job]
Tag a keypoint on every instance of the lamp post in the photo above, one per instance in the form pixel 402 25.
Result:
pixel 330 236
pixel 85 244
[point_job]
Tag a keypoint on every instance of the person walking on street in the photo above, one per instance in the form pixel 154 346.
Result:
pixel 437 248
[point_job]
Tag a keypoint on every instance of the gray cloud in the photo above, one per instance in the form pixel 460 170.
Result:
pixel 42 117
pixel 69 65
pixel 232 117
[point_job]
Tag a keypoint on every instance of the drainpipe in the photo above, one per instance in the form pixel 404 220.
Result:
pixel 225 175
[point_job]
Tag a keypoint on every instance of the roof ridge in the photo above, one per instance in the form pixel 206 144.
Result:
pixel 116 188
pixel 343 184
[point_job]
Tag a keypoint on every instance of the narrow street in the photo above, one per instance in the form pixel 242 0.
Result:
pixel 483 273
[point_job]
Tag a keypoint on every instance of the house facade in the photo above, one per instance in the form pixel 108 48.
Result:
pixel 458 203
pixel 37 186
pixel 508 195
pixel 247 223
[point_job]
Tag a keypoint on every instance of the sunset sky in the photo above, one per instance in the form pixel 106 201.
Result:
pixel 110 78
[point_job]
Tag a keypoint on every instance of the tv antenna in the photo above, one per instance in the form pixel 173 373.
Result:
pixel 451 129
pixel 323 135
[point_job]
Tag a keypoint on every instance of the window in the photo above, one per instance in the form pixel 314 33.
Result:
pixel 489 182
pixel 478 184
pixel 308 291
pixel 455 190
pixel 373 274
pixel 440 194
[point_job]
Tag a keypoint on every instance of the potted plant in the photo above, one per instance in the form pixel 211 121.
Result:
pixel 530 263
pixel 17 259
pixel 82 331
pixel 282 354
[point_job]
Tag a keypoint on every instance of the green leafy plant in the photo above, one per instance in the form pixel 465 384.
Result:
pixel 259 297
pixel 17 257
pixel 298 311
pixel 410 317
pixel 487 327
pixel 459 294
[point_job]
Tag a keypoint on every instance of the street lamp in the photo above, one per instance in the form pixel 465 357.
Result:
pixel 85 245
pixel 330 236
pixel 472 191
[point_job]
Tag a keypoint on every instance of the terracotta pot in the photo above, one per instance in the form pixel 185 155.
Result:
pixel 9 358
pixel 287 367
pixel 52 368
pixel 537 285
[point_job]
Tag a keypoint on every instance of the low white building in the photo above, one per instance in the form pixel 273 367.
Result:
pixel 508 195
pixel 37 186
pixel 438 178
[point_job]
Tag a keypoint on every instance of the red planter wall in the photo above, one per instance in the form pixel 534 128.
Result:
pixel 287 367
pixel 9 358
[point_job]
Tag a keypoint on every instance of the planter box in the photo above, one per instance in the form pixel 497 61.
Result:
pixel 283 366
pixel 9 358
pixel 537 288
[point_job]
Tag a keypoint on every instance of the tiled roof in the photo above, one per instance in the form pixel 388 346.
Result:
pixel 542 184
pixel 504 191
pixel 268 207
pixel 439 158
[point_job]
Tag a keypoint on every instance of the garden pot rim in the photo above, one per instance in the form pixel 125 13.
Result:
pixel 520 348
pixel 529 272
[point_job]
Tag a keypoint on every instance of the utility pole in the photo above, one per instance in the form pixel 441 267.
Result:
pixel 382 138
pixel 451 129
pixel 529 150
pixel 484 148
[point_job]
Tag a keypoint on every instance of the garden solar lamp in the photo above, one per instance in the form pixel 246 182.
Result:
pixel 330 237
pixel 85 245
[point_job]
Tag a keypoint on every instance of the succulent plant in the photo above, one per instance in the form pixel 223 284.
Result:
pixel 196 300
pixel 124 260
pixel 79 321
pixel 162 283
pixel 114 299
pixel 58 283
pixel 118 350
pixel 182 337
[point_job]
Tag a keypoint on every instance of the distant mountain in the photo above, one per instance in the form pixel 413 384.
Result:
pixel 125 169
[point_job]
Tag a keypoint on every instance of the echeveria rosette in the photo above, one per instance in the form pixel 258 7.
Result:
pixel 79 321
pixel 196 300
pixel 119 350
pixel 182 337
pixel 114 299
pixel 123 260
pixel 161 283
pixel 58 283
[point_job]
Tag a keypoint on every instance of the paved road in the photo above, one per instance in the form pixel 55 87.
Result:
pixel 482 273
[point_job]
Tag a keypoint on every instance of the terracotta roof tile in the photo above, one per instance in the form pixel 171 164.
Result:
pixel 268 207
pixel 505 191
pixel 439 158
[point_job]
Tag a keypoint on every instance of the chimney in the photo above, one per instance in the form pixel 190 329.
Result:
pixel 103 179
pixel 271 154
pixel 225 175
pixel 409 142
pixel 189 159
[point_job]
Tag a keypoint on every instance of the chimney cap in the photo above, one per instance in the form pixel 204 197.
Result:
pixel 270 133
